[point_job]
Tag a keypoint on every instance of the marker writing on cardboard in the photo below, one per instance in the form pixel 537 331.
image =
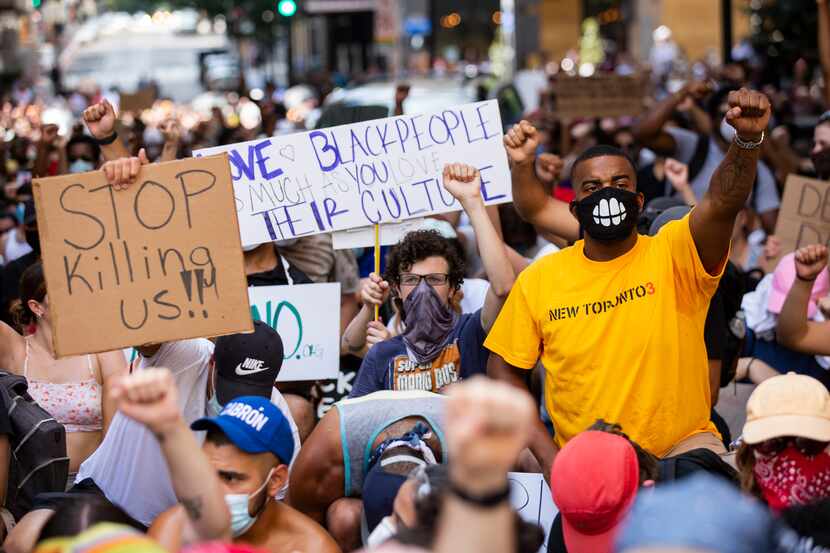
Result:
pixel 108 261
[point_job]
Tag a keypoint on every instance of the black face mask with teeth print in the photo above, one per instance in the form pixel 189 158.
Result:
pixel 609 214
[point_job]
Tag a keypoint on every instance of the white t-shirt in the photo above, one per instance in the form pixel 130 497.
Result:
pixel 129 466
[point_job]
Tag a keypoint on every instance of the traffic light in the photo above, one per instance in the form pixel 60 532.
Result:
pixel 286 8
pixel 36 4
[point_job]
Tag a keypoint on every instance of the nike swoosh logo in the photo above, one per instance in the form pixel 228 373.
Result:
pixel 245 372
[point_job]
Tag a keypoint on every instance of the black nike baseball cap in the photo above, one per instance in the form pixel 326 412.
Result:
pixel 247 364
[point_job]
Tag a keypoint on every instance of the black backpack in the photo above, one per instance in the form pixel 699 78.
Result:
pixel 39 462
pixel 732 287
pixel 696 460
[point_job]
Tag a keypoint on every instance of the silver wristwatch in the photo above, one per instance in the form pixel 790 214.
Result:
pixel 744 145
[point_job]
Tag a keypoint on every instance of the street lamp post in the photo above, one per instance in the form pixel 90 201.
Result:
pixel 726 30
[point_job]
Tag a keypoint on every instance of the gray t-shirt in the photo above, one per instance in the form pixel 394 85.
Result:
pixel 765 194
pixel 363 419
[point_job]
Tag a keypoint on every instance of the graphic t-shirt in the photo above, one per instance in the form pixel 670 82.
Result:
pixel 387 366
pixel 621 340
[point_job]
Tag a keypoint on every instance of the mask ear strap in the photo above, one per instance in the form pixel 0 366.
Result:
pixel 267 497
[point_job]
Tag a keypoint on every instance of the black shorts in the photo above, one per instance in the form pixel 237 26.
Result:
pixel 86 487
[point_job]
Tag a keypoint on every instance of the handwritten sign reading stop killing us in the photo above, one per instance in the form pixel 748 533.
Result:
pixel 358 175
pixel 159 261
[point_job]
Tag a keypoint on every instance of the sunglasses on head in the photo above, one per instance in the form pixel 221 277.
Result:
pixel 806 446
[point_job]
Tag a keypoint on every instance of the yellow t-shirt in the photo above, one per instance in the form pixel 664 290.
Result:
pixel 621 340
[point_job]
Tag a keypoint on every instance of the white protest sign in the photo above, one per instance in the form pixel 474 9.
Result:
pixel 364 237
pixel 531 497
pixel 307 318
pixel 358 175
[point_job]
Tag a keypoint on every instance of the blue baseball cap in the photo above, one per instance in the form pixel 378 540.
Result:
pixel 700 512
pixel 254 425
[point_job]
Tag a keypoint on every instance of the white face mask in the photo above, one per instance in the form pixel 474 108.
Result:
pixel 241 519
pixel 727 131
pixel 385 529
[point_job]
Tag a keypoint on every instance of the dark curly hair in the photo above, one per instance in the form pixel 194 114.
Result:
pixel 32 287
pixel 648 463
pixel 417 246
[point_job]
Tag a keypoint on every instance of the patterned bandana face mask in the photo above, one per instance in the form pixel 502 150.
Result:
pixel 792 478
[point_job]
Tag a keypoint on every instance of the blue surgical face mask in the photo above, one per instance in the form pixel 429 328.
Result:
pixel 241 518
pixel 81 166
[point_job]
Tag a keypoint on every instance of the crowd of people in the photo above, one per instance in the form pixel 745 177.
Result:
pixel 583 332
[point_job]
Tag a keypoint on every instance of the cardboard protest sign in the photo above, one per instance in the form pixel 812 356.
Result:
pixel 357 175
pixel 804 216
pixel 307 317
pixel 138 102
pixel 364 237
pixel 599 96
pixel 159 261
pixel 531 497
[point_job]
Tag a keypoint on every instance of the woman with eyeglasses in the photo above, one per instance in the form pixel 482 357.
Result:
pixel 424 273
pixel 783 458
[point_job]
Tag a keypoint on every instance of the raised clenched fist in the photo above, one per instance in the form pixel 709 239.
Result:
pixel 549 168
pixel 149 397
pixel 100 119
pixel 810 261
pixel 749 113
pixel 462 181
pixel 521 142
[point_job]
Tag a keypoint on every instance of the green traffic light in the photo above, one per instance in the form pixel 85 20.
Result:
pixel 287 8
pixel 36 3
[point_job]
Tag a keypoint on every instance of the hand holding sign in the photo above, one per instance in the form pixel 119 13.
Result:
pixel 463 182
pixel 100 119
pixel 521 143
pixel 375 290
pixel 376 332
pixel 121 173
pixel 810 261
pixel 749 113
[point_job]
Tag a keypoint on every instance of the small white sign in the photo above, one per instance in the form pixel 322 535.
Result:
pixel 307 318
pixel 531 497
pixel 364 237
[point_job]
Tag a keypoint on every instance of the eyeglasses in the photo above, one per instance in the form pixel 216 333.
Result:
pixel 806 446
pixel 433 279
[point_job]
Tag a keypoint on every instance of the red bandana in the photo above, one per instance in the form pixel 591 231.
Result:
pixel 792 478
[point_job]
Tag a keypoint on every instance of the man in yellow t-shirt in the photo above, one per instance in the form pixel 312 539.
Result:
pixel 618 318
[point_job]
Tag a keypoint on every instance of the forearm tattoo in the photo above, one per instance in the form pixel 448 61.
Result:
pixel 734 179
pixel 193 507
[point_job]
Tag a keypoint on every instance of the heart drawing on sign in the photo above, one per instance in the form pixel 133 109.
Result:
pixel 287 152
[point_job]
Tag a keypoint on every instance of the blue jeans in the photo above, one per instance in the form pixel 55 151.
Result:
pixel 784 360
